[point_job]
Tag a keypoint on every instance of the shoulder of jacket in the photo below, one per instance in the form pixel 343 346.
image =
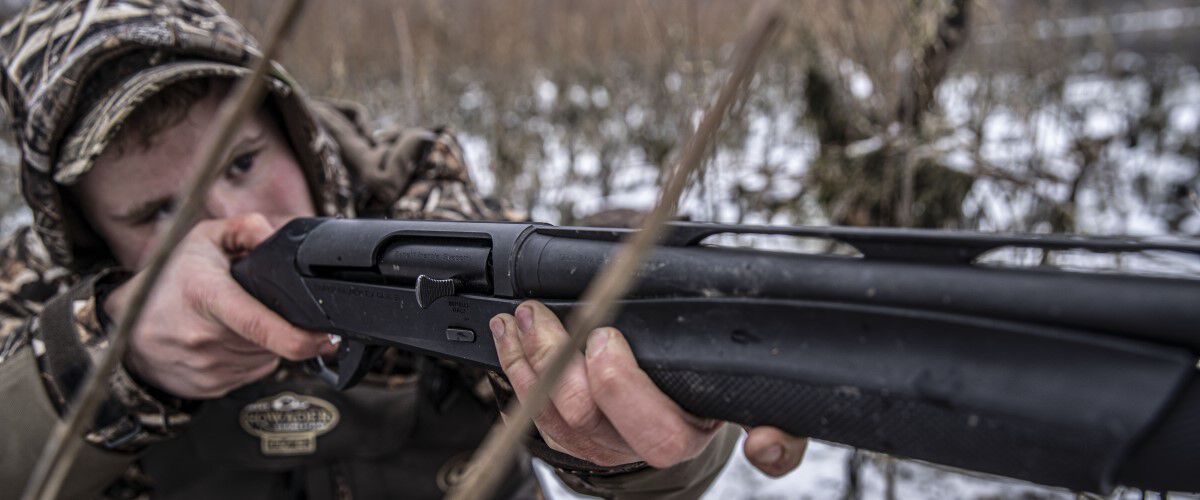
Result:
pixel 26 269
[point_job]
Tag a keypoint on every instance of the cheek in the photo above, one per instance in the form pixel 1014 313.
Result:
pixel 283 190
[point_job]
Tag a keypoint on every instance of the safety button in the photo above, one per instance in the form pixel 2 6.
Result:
pixel 460 335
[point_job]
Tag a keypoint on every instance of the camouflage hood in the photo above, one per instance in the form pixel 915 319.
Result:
pixel 74 69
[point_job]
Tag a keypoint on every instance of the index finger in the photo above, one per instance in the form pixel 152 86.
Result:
pixel 243 314
pixel 773 451
pixel 661 432
pixel 237 235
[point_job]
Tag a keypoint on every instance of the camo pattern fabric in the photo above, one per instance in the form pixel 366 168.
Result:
pixel 62 58
pixel 440 189
pixel 50 53
pixel 136 416
pixel 438 181
pixel 47 53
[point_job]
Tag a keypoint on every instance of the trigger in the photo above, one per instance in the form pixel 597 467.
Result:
pixel 354 360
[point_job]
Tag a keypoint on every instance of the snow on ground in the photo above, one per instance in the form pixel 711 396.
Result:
pixel 1009 142
pixel 1095 106
pixel 823 475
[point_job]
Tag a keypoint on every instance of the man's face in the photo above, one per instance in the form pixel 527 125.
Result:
pixel 131 193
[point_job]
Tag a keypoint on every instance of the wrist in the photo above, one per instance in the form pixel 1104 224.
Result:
pixel 112 294
pixel 140 411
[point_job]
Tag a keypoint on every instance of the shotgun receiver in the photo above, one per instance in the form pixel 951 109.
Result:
pixel 1075 379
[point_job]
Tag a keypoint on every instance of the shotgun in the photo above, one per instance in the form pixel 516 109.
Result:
pixel 1084 380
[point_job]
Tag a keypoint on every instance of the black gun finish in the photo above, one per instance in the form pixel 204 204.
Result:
pixel 1081 380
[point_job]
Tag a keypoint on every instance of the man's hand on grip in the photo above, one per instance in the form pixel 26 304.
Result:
pixel 201 335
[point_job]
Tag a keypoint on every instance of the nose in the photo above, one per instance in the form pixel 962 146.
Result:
pixel 222 203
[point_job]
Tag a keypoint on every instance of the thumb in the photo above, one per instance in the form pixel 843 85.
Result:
pixel 241 234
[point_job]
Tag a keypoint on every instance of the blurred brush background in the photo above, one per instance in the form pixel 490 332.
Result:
pixel 1046 116
pixel 1007 115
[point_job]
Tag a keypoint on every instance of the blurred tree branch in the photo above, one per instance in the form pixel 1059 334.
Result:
pixel 870 174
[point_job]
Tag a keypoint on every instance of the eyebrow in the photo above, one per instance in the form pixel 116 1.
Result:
pixel 142 209
pixel 243 142
pixel 256 137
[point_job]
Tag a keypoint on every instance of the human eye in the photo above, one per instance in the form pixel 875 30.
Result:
pixel 241 165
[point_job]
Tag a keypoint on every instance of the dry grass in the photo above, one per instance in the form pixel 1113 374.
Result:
pixel 631 74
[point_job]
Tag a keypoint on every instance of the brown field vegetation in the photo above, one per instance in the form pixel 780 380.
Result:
pixel 628 76
pixel 1067 116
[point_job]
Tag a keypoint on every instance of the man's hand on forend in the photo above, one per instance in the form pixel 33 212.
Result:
pixel 606 410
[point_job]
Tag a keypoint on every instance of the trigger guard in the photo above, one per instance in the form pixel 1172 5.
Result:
pixel 354 359
pixel 316 366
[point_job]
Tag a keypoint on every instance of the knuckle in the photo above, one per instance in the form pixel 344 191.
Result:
pixel 577 408
pixel 203 364
pixel 542 353
pixel 193 339
pixel 237 224
pixel 252 328
pixel 605 379
pixel 254 219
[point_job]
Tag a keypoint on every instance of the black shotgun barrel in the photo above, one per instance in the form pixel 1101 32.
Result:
pixel 1082 380
pixel 933 360
pixel 1163 309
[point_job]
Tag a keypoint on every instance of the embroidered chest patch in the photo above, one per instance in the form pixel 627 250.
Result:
pixel 289 423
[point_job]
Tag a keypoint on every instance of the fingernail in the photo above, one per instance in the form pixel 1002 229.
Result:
pixel 525 319
pixel 597 341
pixel 333 342
pixel 327 348
pixel 771 455
pixel 497 326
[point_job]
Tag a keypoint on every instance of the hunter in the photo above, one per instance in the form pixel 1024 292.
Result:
pixel 109 101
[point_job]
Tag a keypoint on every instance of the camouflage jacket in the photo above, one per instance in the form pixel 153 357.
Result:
pixel 48 311
pixel 408 430
pixel 49 320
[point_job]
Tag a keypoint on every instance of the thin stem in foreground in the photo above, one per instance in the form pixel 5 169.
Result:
pixel 64 443
pixel 599 301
